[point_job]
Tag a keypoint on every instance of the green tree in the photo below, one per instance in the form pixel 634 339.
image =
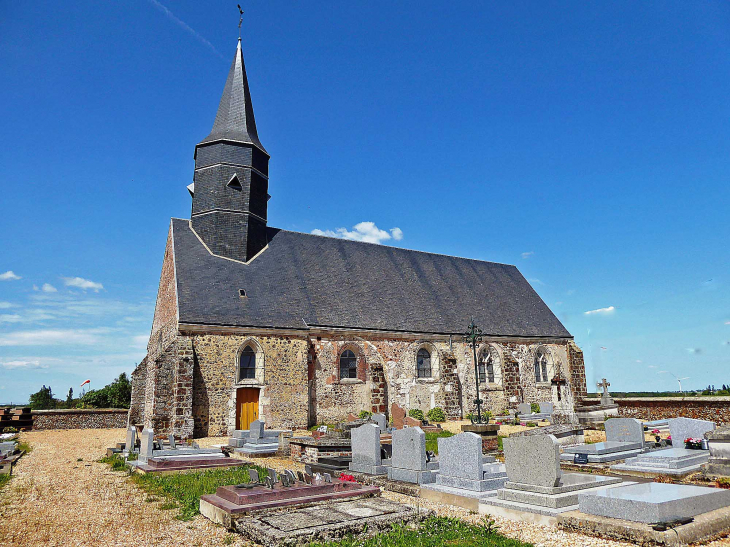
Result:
pixel 118 394
pixel 42 399
pixel 70 398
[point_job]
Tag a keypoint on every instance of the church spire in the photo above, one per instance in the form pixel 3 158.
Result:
pixel 235 120
pixel 231 182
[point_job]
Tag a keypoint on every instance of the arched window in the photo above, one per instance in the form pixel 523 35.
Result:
pixel 247 364
pixel 348 365
pixel 486 367
pixel 423 363
pixel 541 366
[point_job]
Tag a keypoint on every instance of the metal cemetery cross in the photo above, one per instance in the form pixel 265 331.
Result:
pixel 474 337
pixel 558 381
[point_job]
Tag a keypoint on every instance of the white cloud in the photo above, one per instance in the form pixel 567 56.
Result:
pixel 47 287
pixel 535 281
pixel 23 364
pixel 82 283
pixel 9 318
pixel 528 254
pixel 53 337
pixel 640 361
pixel 5 305
pixel 183 25
pixel 363 231
pixel 9 276
pixel 601 311
pixel 727 322
pixel 696 351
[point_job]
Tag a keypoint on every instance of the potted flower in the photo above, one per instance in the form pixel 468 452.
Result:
pixel 655 432
pixel 692 443
pixel 669 440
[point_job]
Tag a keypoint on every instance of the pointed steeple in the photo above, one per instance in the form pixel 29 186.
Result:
pixel 234 120
pixel 231 181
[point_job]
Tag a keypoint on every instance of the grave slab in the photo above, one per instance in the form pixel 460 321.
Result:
pixel 670 461
pixel 653 502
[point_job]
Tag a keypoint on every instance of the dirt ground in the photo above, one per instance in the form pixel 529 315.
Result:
pixel 60 496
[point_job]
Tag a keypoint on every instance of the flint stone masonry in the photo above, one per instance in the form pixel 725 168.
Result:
pixel 653 502
pixel 684 428
pixel 102 418
pixel 533 460
pixel 716 409
pixel 625 430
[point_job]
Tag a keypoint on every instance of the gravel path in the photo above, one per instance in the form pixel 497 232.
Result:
pixel 60 496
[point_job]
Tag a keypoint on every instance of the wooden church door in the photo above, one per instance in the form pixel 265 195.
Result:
pixel 247 403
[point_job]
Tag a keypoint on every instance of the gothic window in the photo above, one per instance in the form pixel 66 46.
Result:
pixel 541 366
pixel 247 364
pixel 348 365
pixel 423 363
pixel 486 367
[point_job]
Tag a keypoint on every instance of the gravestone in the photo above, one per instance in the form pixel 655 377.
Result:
pixel 524 408
pixel 546 408
pixel 147 440
pixel 272 474
pixel 685 428
pixel 533 460
pixel 253 475
pixel 256 430
pixel 366 455
pixel 719 462
pixel 412 422
pixel 462 465
pixel 381 421
pixel 408 462
pixel 398 414
pixel 172 441
pixel 131 440
pixel 606 399
pixel 625 430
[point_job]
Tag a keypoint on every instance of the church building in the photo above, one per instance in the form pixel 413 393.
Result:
pixel 252 321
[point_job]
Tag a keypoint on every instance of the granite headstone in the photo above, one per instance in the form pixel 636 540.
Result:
pixel 409 449
pixel 461 456
pixel 381 421
pixel 256 430
pixel 685 428
pixel 533 460
pixel 131 438
pixel 625 430
pixel 366 445
pixel 147 439
pixel 524 408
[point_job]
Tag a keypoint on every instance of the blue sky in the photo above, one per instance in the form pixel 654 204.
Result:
pixel 587 143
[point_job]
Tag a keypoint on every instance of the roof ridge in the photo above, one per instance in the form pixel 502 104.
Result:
pixel 399 248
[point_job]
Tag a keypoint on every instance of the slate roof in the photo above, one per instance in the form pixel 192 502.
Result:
pixel 234 120
pixel 302 280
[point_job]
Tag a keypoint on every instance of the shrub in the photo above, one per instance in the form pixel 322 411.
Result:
pixel 365 414
pixel 534 408
pixel 10 430
pixel 416 413
pixel 531 424
pixel 436 414
pixel 505 412
pixel 723 482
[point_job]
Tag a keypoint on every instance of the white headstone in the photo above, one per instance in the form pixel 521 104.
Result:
pixel 461 456
pixel 146 444
pixel 131 438
pixel 625 430
pixel 256 430
pixel 524 408
pixel 685 428
pixel 533 459
pixel 409 449
pixel 366 445
pixel 381 421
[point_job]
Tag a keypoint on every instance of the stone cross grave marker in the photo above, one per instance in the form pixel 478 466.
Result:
pixel 366 445
pixel 605 396
pixel 461 456
pixel 409 449
pixel 256 430
pixel 381 421
pixel 684 428
pixel 533 460
pixel 524 408
pixel 147 439
pixel 131 438
pixel 625 430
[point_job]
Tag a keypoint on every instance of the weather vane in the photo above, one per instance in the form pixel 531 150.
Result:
pixel 240 20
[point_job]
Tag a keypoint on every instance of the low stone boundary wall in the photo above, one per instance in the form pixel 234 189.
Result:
pixel 101 418
pixel 716 409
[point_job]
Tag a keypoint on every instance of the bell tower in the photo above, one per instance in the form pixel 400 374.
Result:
pixel 231 181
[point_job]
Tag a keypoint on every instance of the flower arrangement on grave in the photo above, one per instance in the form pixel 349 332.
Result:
pixel 655 432
pixel 693 443
pixel 347 478
pixel 669 440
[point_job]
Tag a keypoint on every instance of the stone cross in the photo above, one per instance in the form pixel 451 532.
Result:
pixel 604 384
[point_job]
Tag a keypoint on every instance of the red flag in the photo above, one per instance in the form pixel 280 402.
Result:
pixel 86 382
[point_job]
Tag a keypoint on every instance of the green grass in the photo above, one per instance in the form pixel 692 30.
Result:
pixel 116 462
pixel 22 445
pixel 183 490
pixel 4 479
pixel 432 442
pixel 433 532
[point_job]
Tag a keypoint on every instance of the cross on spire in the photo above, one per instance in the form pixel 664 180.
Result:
pixel 240 20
